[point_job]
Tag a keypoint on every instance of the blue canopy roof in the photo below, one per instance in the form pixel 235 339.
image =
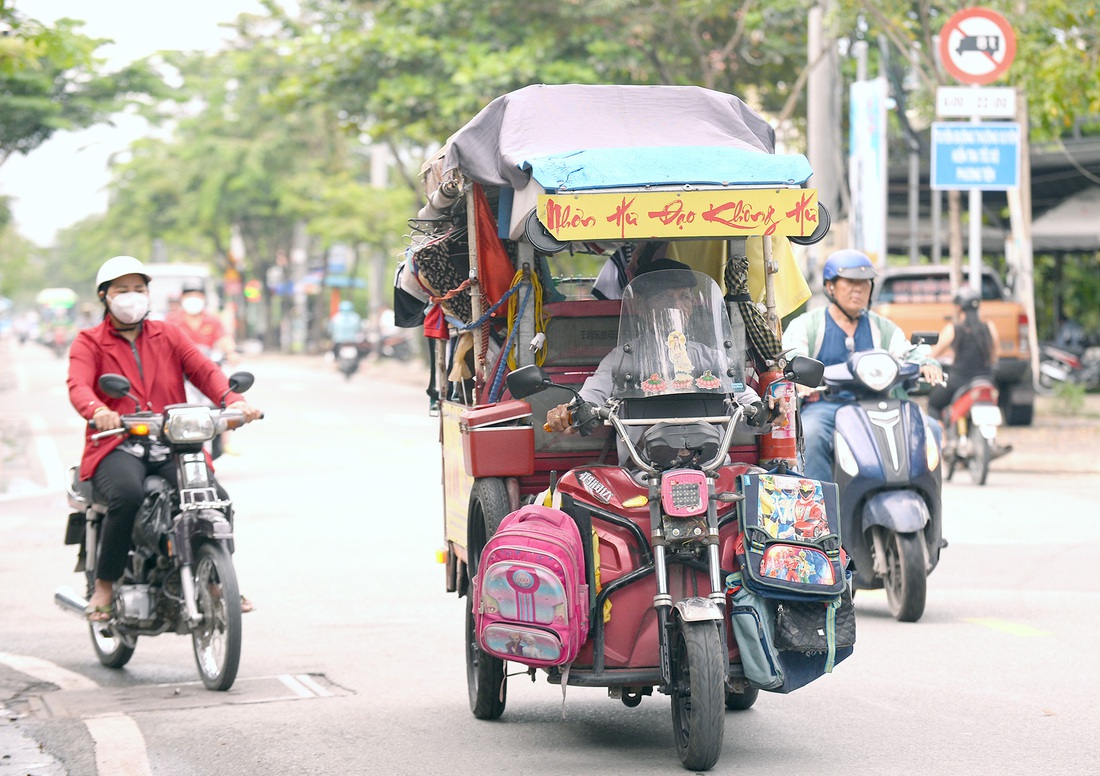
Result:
pixel 600 168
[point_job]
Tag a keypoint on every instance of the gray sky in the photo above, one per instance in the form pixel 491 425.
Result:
pixel 65 179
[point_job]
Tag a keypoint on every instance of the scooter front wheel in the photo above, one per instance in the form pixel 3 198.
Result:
pixel 906 582
pixel 698 694
pixel 980 454
pixel 217 639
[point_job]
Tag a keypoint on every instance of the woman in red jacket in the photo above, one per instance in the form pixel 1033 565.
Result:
pixel 155 356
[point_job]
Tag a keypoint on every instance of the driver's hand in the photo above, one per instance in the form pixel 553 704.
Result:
pixel 250 413
pixel 804 390
pixel 560 419
pixel 933 373
pixel 107 420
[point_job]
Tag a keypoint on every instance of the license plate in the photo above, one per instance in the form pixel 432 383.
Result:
pixel 348 351
pixel 985 415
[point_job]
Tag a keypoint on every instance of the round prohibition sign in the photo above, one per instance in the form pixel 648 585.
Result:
pixel 977 46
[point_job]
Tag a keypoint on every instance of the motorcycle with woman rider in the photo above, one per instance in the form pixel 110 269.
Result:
pixel 862 431
pixel 967 405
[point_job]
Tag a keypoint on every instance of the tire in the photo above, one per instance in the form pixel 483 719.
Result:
pixel 741 700
pixel 698 694
pixel 217 639
pixel 980 455
pixel 906 582
pixel 1019 414
pixel 950 439
pixel 486 680
pixel 113 649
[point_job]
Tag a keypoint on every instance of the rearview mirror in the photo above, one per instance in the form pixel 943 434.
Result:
pixel 239 382
pixel 805 371
pixel 925 337
pixel 115 386
pixel 527 380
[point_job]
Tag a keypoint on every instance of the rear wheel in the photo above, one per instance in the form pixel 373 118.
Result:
pixel 112 648
pixel 950 450
pixel 217 639
pixel 739 700
pixel 906 582
pixel 698 693
pixel 486 680
pixel 978 462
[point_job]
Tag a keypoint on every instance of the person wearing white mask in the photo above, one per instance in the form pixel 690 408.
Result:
pixel 156 357
pixel 203 327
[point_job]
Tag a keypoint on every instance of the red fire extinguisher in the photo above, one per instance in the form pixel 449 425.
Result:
pixel 780 444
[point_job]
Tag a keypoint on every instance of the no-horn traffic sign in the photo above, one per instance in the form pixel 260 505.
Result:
pixel 977 46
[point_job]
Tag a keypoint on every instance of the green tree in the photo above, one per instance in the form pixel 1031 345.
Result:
pixel 50 79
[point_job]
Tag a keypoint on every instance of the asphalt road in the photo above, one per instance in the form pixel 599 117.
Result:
pixel 353 661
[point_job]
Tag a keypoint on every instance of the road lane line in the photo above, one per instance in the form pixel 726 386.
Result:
pixel 1004 626
pixel 119 746
pixel 320 691
pixel 297 687
pixel 48 455
pixel 47 672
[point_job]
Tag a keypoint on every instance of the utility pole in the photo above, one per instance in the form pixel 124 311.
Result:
pixel 822 119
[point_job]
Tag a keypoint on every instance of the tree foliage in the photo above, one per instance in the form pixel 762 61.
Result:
pixel 50 79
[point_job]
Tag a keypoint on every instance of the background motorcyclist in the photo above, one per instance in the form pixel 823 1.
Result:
pixel 156 357
pixel 203 327
pixel 345 327
pixel 677 284
pixel 969 344
pixel 830 334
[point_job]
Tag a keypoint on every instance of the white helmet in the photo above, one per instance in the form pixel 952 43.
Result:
pixel 118 266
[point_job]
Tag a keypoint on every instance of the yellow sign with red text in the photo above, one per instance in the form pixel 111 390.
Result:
pixel 667 214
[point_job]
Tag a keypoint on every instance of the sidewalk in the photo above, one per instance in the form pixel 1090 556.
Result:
pixel 1054 442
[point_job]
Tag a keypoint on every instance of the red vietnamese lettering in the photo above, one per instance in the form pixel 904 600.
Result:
pixel 673 213
pixel 741 215
pixel 558 217
pixel 623 215
pixel 801 213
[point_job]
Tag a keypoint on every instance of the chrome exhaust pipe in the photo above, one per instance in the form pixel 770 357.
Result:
pixel 68 601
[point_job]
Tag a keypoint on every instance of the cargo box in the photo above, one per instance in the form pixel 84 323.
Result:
pixel 494 443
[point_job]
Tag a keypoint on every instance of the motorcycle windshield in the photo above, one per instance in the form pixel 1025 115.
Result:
pixel 675 337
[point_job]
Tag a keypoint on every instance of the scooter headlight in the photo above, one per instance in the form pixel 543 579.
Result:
pixel 844 457
pixel 931 449
pixel 189 425
pixel 877 371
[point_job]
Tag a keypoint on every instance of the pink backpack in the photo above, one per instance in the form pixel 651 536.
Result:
pixel 532 600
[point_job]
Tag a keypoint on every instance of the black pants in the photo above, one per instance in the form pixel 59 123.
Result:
pixel 119 482
pixel 942 395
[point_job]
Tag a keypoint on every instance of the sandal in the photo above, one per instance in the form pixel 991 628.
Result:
pixel 98 613
pixel 246 605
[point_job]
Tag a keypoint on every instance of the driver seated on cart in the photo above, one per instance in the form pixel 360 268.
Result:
pixel 677 290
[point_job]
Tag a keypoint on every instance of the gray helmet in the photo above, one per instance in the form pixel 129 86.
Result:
pixel 968 298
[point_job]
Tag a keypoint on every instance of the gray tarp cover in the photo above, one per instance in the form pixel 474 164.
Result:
pixel 540 120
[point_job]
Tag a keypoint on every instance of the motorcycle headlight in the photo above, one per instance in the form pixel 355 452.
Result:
pixel 877 371
pixel 931 449
pixel 188 425
pixel 845 458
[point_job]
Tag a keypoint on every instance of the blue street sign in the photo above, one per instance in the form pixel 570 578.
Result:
pixel 979 155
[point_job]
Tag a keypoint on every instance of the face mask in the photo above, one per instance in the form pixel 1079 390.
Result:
pixel 193 305
pixel 129 307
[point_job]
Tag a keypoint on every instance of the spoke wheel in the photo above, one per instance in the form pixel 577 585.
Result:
pixel 978 462
pixel 217 639
pixel 486 680
pixel 113 649
pixel 950 446
pixel 698 694
pixel 906 582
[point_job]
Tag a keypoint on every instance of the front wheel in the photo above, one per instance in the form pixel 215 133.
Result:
pixel 698 694
pixel 906 582
pixel 217 639
pixel 486 679
pixel 978 462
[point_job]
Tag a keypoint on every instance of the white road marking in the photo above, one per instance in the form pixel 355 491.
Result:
pixel 320 691
pixel 297 687
pixel 48 455
pixel 47 672
pixel 119 746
